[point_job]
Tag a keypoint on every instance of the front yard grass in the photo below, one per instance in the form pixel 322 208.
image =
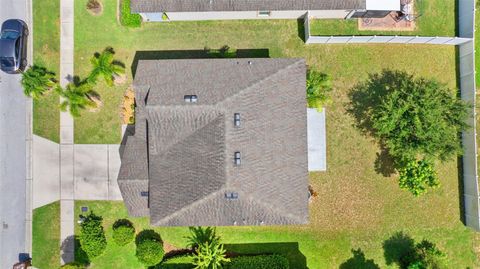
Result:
pixel 46 236
pixel 46 52
pixel 438 18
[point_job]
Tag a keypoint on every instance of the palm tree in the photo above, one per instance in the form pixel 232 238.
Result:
pixel 77 98
pixel 200 235
pixel 104 65
pixel 319 85
pixel 210 256
pixel 37 80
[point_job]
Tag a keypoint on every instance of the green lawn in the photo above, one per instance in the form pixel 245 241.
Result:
pixel 46 52
pixel 46 236
pixel 438 18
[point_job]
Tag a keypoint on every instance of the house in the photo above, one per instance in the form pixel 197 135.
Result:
pixel 186 10
pixel 218 142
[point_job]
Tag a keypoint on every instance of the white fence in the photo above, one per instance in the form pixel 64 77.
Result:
pixel 466 60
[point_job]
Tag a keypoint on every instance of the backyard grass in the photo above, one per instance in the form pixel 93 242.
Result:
pixel 438 18
pixel 46 236
pixel 46 52
pixel 357 206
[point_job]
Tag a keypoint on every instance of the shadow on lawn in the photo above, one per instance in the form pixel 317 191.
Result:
pixel 358 261
pixel 398 248
pixel 288 249
pixel 193 54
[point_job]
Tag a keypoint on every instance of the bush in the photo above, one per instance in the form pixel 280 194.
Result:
pixel 127 18
pixel 417 176
pixel 92 236
pixel 123 232
pixel 259 262
pixel 73 265
pixel 149 248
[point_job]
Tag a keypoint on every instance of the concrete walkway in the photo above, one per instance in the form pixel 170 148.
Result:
pixel 66 136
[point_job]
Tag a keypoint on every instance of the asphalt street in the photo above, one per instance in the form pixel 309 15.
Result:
pixel 13 106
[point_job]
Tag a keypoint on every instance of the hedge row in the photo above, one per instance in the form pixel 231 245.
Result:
pixel 258 262
pixel 127 18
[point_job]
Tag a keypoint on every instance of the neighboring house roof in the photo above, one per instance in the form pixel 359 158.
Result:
pixel 186 150
pixel 139 6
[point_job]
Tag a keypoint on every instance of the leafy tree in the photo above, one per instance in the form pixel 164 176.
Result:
pixel 319 85
pixel 428 256
pixel 413 117
pixel 105 66
pixel 92 236
pixel 77 98
pixel 200 235
pixel 37 80
pixel 210 255
pixel 123 232
pixel 417 176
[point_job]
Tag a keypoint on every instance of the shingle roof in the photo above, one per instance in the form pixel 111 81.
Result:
pixel 191 146
pixel 139 6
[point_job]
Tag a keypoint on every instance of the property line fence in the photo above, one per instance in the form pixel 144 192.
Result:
pixel 466 61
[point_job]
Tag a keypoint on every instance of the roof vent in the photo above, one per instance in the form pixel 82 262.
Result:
pixel 144 193
pixel 190 98
pixel 250 62
pixel 231 195
pixel 237 158
pixel 236 119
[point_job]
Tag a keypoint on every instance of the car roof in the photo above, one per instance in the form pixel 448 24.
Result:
pixel 12 24
pixel 7 47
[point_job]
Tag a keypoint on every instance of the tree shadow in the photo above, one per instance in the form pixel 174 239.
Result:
pixel 72 243
pixel 289 250
pixel 121 223
pixel 358 261
pixel 147 235
pixel 398 248
pixel 206 53
pixel 384 163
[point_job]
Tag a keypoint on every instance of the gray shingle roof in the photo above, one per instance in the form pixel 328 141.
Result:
pixel 139 6
pixel 191 146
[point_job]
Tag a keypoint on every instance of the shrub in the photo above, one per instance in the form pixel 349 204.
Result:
pixel 123 232
pixel 149 248
pixel 259 262
pixel 127 18
pixel 319 85
pixel 210 256
pixel 417 176
pixel 428 256
pixel 200 235
pixel 73 265
pixel 92 236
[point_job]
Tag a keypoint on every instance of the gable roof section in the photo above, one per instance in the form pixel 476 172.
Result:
pixel 146 6
pixel 191 146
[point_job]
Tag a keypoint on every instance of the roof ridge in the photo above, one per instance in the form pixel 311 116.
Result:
pixel 298 60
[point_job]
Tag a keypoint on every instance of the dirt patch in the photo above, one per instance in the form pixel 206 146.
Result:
pixel 95 7
pixel 119 79
pixel 128 107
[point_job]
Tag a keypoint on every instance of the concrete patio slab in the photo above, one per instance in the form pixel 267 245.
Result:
pixel 91 188
pixel 46 171
pixel 317 142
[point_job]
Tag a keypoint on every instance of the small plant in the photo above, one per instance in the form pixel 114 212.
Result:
pixel 200 235
pixel 428 256
pixel 319 85
pixel 127 18
pixel 105 66
pixel 165 17
pixel 149 248
pixel 37 80
pixel 123 232
pixel 210 255
pixel 92 236
pixel 417 176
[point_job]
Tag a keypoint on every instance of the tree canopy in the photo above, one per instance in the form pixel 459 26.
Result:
pixel 37 80
pixel 103 65
pixel 319 85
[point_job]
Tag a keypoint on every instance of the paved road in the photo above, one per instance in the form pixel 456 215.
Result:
pixel 13 106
